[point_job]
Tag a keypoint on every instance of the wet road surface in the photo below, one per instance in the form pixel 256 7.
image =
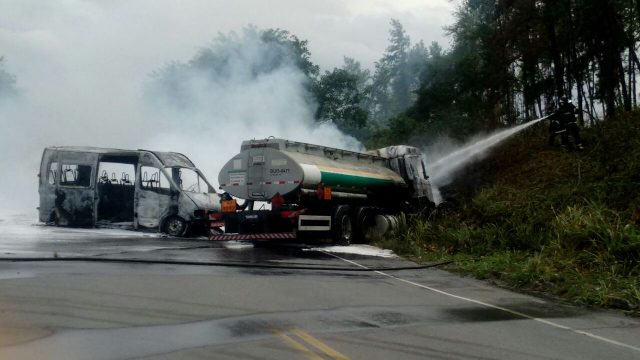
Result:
pixel 81 309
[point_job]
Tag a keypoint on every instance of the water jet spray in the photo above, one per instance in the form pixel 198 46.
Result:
pixel 444 168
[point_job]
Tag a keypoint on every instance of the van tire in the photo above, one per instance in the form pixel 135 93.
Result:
pixel 53 219
pixel 342 226
pixel 58 220
pixel 174 226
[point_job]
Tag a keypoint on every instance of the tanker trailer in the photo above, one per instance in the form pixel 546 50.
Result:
pixel 316 191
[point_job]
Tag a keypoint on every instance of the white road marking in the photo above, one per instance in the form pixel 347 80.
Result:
pixel 513 312
pixel 365 250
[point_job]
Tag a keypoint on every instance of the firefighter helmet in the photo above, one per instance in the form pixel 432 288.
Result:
pixel 563 100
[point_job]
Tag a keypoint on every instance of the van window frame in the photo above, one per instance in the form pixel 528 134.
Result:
pixel 78 164
pixel 56 173
pixel 159 190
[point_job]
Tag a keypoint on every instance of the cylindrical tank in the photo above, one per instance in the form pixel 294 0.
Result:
pixel 266 167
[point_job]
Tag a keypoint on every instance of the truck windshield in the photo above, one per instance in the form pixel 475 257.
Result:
pixel 189 180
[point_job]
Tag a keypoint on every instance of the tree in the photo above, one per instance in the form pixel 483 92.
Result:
pixel 363 76
pixel 396 59
pixel 298 50
pixel 397 75
pixel 237 58
pixel 509 60
pixel 339 94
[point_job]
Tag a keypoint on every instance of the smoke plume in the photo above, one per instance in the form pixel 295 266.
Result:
pixel 240 87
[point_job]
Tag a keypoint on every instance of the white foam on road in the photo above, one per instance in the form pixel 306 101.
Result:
pixel 237 245
pixel 364 250
pixel 21 235
pixel 24 225
pixel 36 229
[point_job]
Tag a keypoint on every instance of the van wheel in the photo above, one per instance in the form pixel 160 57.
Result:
pixel 342 226
pixel 174 226
pixel 58 220
pixel 53 219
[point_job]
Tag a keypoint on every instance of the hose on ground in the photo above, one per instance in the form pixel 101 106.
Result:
pixel 220 264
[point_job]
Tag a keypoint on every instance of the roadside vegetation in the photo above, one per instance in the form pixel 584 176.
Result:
pixel 534 217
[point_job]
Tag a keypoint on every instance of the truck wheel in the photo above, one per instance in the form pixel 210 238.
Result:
pixel 174 226
pixel 364 220
pixel 342 226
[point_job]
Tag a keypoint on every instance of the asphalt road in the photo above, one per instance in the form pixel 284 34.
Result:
pixel 94 310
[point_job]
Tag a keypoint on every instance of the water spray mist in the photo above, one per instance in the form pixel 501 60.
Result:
pixel 444 168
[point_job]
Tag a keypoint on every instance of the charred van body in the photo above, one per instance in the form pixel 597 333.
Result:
pixel 86 187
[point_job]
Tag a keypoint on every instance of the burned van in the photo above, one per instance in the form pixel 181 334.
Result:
pixel 141 189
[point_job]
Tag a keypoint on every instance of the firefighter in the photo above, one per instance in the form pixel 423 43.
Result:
pixel 565 124
pixel 555 129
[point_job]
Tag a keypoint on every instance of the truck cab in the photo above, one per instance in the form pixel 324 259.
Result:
pixel 408 162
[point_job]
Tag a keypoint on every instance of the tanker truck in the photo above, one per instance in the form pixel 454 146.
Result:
pixel 282 189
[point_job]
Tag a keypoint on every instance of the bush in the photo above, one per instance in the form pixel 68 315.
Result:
pixel 597 229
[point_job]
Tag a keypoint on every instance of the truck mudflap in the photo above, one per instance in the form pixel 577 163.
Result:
pixel 269 236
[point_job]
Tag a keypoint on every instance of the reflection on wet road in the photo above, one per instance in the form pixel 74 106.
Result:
pixel 78 310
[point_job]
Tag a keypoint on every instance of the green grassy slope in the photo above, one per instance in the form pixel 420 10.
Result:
pixel 539 218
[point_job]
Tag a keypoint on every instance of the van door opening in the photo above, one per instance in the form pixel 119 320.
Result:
pixel 116 188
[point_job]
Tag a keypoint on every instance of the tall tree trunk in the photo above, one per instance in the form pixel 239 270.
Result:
pixel 539 103
pixel 626 99
pixel 634 90
pixel 635 64
pixel 631 80
pixel 570 58
pixel 580 96
pixel 608 58
pixel 558 67
pixel 575 71
pixel 638 9
pixel 590 88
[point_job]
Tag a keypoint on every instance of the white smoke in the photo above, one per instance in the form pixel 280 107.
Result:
pixel 239 88
pixel 205 116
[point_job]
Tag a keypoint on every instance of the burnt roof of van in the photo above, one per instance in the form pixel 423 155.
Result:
pixel 169 159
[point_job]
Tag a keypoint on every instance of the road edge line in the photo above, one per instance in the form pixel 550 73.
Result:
pixel 497 307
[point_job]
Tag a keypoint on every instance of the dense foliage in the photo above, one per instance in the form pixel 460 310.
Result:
pixel 565 223
pixel 511 59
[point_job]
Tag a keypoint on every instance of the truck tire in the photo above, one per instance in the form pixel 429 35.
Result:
pixel 174 226
pixel 342 226
pixel 364 220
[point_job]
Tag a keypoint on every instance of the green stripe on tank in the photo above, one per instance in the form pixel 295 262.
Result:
pixel 345 180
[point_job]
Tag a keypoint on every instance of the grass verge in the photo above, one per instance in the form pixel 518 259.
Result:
pixel 560 223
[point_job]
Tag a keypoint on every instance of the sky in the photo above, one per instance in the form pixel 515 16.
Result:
pixel 82 65
pixel 154 32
